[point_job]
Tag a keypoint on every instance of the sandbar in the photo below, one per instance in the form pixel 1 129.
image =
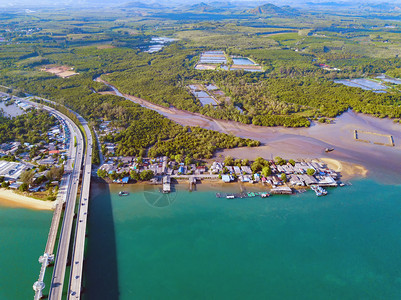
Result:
pixel 10 198
pixel 346 169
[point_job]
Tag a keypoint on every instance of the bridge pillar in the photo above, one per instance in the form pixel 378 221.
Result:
pixel 38 286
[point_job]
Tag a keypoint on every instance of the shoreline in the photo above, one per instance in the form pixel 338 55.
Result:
pixel 346 170
pixel 9 198
pixel 307 142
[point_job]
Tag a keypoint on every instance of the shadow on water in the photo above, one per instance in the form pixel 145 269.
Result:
pixel 101 271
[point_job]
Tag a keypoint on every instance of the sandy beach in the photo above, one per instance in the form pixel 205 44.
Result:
pixel 346 169
pixel 11 199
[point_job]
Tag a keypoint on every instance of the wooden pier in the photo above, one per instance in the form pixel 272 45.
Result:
pixel 166 184
pixel 242 195
pixel 192 183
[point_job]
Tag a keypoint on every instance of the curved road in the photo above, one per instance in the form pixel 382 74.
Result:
pixel 67 193
pixel 81 154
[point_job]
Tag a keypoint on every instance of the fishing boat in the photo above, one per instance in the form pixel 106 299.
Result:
pixel 123 193
pixel 319 191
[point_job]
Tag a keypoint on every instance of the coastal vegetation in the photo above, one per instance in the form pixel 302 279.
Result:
pixel 300 62
pixel 26 128
pixel 143 131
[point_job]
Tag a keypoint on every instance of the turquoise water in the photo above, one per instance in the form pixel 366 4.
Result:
pixel 193 246
pixel 346 245
pixel 23 235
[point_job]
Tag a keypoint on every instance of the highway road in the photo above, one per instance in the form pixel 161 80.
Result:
pixel 75 286
pixel 57 283
pixel 77 154
pixel 56 288
pixel 67 193
pixel 63 190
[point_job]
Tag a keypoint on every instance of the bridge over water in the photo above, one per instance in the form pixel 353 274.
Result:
pixel 79 161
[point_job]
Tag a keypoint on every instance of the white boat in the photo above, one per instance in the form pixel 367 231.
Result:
pixel 319 191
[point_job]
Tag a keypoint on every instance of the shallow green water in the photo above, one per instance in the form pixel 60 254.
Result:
pixel 346 245
pixel 23 235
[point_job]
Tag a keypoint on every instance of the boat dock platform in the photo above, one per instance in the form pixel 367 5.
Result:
pixel 242 195
pixel 192 183
pixel 166 184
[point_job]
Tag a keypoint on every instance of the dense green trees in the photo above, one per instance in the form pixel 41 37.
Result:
pixel 141 129
pixel 198 143
pixel 259 164
pixel 27 176
pixel 101 173
pixel 23 187
pixel 291 91
pixel 310 172
pixel 95 148
pixel 229 161
pixel 135 175
pixel 146 175
pixel 26 128
pixel 55 173
pixel 266 171
pixel 279 161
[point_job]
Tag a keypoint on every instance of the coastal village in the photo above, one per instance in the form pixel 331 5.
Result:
pixel 280 177
pixel 48 155
pixel 44 159
pixel 286 178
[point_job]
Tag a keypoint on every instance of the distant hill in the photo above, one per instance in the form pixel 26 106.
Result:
pixel 142 5
pixel 382 7
pixel 203 7
pixel 335 4
pixel 223 5
pixel 271 9
pixel 358 7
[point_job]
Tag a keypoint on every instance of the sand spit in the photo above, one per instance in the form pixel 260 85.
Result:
pixel 12 199
pixel 348 170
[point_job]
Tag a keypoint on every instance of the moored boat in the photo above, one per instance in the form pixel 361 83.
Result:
pixel 319 191
pixel 123 193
